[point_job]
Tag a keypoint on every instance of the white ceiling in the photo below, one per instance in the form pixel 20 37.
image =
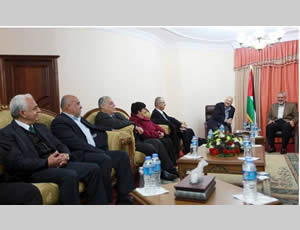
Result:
pixel 208 36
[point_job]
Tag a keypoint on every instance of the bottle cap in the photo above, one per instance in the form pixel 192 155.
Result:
pixel 147 158
pixel 154 155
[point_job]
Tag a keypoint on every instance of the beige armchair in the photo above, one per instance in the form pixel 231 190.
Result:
pixel 127 141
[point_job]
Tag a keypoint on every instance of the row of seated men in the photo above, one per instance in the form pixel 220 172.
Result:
pixel 79 149
pixel 149 136
pixel 75 150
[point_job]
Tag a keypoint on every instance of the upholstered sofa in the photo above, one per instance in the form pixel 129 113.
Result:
pixel 136 157
pixel 50 191
pixel 127 143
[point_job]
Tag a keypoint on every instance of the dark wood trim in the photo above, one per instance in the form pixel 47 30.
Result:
pixel 88 113
pixel 45 111
pixel 56 85
pixel 43 60
pixel 2 83
pixel 24 57
pixel 122 111
pixel 48 112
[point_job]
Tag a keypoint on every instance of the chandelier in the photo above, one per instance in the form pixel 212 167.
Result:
pixel 260 39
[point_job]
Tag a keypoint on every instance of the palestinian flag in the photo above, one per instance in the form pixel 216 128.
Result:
pixel 251 111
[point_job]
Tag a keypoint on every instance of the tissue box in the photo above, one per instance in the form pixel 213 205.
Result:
pixel 195 192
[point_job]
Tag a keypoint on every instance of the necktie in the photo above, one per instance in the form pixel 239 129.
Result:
pixel 165 116
pixel 31 129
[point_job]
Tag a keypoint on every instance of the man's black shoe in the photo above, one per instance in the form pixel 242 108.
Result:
pixel 125 201
pixel 283 151
pixel 173 171
pixel 271 150
pixel 165 175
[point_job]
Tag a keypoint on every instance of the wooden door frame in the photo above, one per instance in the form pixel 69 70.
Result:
pixel 6 58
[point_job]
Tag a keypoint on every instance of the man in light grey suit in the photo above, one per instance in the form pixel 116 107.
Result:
pixel 282 116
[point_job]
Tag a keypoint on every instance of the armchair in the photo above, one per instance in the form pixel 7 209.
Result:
pixel 122 139
pixel 209 110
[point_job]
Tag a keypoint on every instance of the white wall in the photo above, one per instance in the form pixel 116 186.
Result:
pixel 197 77
pixel 95 62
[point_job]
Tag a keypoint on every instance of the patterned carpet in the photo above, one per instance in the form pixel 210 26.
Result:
pixel 284 171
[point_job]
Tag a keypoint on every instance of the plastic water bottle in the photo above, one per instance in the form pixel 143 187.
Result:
pixel 156 170
pixel 210 134
pixel 141 177
pixel 256 130
pixel 148 175
pixel 194 146
pixel 249 181
pixel 245 126
pixel 245 141
pixel 252 134
pixel 247 147
pixel 222 130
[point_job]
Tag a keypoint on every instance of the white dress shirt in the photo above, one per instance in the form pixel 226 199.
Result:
pixel 23 125
pixel 83 128
pixel 280 111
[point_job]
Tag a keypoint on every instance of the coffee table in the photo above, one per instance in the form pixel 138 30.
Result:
pixel 223 195
pixel 216 164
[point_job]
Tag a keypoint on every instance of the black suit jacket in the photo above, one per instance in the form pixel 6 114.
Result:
pixel 68 132
pixel 157 118
pixel 117 121
pixel 5 147
pixel 218 115
pixel 23 159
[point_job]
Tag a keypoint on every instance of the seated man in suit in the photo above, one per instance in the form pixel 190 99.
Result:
pixel 282 116
pixel 223 115
pixel 37 156
pixel 13 191
pixel 108 117
pixel 179 130
pixel 89 144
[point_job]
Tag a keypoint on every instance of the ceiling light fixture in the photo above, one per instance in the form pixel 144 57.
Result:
pixel 260 39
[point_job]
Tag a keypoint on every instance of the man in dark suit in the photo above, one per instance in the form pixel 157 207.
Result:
pixel 37 156
pixel 108 117
pixel 89 144
pixel 179 130
pixel 222 115
pixel 282 116
pixel 13 191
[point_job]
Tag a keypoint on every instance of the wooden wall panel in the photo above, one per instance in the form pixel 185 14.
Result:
pixel 36 75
